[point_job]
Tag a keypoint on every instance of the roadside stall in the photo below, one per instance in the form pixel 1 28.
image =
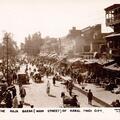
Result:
pixel 113 72
pixel 95 71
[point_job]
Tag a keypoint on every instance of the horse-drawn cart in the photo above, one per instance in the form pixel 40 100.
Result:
pixel 23 78
pixel 70 102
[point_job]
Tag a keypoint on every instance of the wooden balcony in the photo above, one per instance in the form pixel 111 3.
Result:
pixel 113 21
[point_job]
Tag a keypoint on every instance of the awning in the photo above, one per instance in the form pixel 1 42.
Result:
pixel 113 67
pixel 74 60
pixel 98 61
pixel 113 35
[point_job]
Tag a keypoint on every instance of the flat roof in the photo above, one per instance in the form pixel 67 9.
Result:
pixel 112 7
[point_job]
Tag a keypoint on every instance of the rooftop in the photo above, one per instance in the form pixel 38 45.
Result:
pixel 112 7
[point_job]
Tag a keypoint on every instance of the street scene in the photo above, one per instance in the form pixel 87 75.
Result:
pixel 79 69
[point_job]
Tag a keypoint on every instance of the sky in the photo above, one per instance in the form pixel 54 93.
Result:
pixel 52 18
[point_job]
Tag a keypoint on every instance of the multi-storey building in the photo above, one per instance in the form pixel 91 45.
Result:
pixel 83 42
pixel 93 38
pixel 113 17
pixel 113 20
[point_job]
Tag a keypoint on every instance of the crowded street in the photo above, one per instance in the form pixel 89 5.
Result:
pixel 37 96
pixel 60 60
pixel 50 82
pixel 41 83
pixel 80 67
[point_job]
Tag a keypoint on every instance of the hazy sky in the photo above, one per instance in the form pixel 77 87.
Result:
pixel 50 17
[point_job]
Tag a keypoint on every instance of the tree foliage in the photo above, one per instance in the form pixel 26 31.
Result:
pixel 9 46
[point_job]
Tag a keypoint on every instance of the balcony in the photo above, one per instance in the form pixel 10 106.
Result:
pixel 113 21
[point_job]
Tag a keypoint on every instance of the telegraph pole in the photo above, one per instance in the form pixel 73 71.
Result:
pixel 6 38
pixel 59 46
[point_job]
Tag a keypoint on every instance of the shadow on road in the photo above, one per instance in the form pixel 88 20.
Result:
pixel 39 82
pixel 52 96
pixel 95 105
pixel 27 104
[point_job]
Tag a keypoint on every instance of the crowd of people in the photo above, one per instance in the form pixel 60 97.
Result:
pixel 43 67
pixel 93 73
pixel 8 83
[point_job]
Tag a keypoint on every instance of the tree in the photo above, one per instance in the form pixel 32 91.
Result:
pixel 33 44
pixel 9 45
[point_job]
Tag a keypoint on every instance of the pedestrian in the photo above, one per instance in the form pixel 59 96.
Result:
pixel 22 94
pixel 70 87
pixel 48 87
pixel 54 80
pixel 20 105
pixel 14 77
pixel 8 99
pixel 90 97
pixel 15 102
pixel 39 77
pixel 14 92
pixel 47 73
pixel 79 79
pixel 74 101
pixel 67 85
pixel 117 103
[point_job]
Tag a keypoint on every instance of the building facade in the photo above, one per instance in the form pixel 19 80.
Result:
pixel 83 42
pixel 113 21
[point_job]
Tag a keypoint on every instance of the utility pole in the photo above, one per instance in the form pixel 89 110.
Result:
pixel 6 38
pixel 60 47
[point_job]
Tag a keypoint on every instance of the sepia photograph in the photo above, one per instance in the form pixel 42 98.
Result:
pixel 59 53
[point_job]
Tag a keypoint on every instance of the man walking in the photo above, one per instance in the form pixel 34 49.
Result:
pixel 22 94
pixel 48 88
pixel 70 87
pixel 14 92
pixel 90 97
pixel 54 79
pixel 8 99
pixel 15 102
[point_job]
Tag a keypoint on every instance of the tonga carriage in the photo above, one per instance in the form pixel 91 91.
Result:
pixel 70 102
pixel 23 78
